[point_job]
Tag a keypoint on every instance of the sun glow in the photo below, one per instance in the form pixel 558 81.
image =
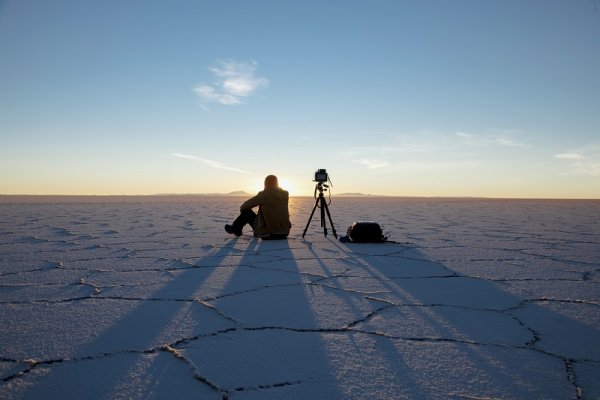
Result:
pixel 258 185
pixel 287 185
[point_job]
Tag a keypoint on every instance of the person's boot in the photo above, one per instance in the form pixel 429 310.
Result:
pixel 230 229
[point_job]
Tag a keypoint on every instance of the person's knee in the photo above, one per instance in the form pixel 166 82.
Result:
pixel 248 212
pixel 249 217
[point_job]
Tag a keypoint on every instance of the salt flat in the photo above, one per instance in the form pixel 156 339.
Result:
pixel 148 297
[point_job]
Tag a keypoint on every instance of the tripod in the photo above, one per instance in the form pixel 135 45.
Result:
pixel 322 204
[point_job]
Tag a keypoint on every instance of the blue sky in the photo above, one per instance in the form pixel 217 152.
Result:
pixel 435 98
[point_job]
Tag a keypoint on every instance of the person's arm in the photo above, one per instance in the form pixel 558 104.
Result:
pixel 253 202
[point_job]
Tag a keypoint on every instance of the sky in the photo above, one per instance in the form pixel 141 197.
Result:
pixel 496 98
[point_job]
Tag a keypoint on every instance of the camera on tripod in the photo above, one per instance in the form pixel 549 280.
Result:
pixel 321 176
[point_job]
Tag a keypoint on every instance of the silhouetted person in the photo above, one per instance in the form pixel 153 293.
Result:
pixel 273 218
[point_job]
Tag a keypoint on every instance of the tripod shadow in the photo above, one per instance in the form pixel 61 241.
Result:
pixel 436 324
pixel 279 347
pixel 111 364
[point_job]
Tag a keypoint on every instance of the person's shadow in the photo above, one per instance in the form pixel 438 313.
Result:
pixel 279 344
pixel 504 344
pixel 381 321
pixel 136 346
pixel 297 319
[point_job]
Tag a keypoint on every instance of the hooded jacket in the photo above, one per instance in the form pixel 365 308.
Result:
pixel 273 215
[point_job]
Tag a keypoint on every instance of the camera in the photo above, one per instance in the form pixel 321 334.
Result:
pixel 321 176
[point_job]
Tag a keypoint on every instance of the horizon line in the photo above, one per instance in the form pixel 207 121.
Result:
pixel 345 195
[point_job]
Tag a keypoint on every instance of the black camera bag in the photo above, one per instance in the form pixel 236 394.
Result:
pixel 366 232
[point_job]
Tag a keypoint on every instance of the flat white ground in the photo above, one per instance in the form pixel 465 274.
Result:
pixel 149 298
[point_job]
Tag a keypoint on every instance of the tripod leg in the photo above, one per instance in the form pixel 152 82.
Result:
pixel 323 221
pixel 309 219
pixel 330 221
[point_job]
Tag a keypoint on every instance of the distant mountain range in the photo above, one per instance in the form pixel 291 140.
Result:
pixel 238 193
pixel 358 195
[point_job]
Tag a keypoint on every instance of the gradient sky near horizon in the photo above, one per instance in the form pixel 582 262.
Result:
pixel 497 98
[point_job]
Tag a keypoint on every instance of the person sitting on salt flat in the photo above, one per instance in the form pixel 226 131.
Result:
pixel 273 218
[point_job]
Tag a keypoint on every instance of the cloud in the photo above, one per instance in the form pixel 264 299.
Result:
pixel 435 151
pixel 569 156
pixel 411 152
pixel 233 81
pixel 494 137
pixel 582 162
pixel 179 155
pixel 371 164
pixel 211 163
pixel 210 95
pixel 430 165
